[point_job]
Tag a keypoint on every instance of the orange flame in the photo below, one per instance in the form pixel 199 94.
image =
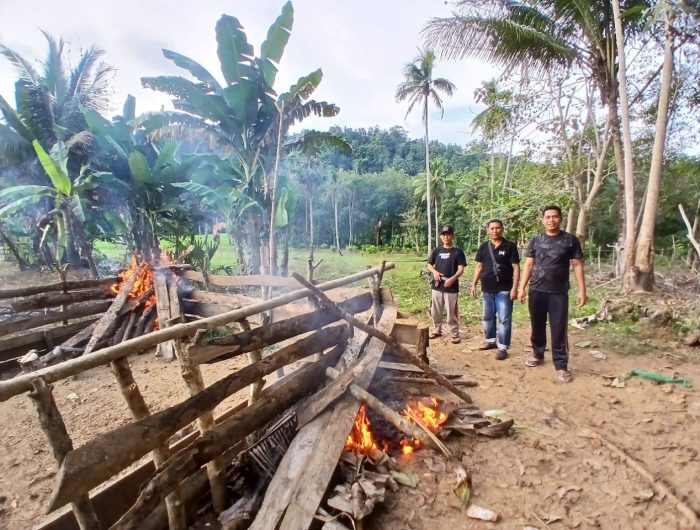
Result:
pixel 429 415
pixel 427 412
pixel 142 284
pixel 360 440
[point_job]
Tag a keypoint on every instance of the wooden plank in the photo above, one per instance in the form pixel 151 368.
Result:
pixel 166 349
pixel 23 383
pixel 78 311
pixel 252 280
pixel 56 334
pixel 69 286
pixel 318 440
pixel 43 300
pixel 405 333
pixel 316 475
pixel 405 367
pixel 257 338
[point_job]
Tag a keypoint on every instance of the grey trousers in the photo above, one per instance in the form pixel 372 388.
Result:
pixel 440 301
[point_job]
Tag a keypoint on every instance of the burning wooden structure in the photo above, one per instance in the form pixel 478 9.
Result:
pixel 292 434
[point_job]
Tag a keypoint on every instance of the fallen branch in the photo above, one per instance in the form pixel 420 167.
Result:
pixel 396 347
pixel 658 484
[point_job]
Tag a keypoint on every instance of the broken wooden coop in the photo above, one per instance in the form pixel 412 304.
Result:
pixel 267 463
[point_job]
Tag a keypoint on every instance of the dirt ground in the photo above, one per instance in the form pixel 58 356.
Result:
pixel 548 474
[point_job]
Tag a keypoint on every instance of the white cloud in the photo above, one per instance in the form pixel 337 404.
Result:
pixel 361 46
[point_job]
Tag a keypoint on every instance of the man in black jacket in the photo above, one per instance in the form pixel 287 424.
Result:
pixel 498 270
pixel 549 256
pixel 446 263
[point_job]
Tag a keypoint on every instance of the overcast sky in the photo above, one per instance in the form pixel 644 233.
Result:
pixel 361 45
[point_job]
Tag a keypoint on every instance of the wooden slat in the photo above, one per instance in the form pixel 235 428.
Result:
pixel 405 333
pixel 81 310
pixel 252 280
pixel 40 301
pixel 69 286
pixel 53 334
pixel 23 383
pixel 302 476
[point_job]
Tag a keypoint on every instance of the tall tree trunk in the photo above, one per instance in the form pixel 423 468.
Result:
pixel 427 173
pixel 570 216
pixel 273 195
pixel 72 256
pixel 254 239
pixel 630 235
pixel 437 228
pixel 351 237
pixel 644 259
pixel 692 256
pixel 592 193
pixel 285 255
pixel 311 220
pixel 337 231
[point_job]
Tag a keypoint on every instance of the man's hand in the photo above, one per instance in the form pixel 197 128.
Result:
pixel 437 277
pixel 521 295
pixel 474 291
pixel 450 281
pixel 514 293
pixel 581 298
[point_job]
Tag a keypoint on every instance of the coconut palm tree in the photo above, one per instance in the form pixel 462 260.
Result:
pixel 546 36
pixel 420 87
pixel 495 119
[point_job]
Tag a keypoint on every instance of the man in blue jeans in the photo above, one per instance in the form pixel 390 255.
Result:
pixel 498 270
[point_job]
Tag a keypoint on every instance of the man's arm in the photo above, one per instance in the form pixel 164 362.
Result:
pixel 516 279
pixel 581 296
pixel 477 275
pixel 452 279
pixel 436 273
pixel 527 272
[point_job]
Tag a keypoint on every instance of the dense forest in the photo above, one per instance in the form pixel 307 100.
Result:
pixel 569 122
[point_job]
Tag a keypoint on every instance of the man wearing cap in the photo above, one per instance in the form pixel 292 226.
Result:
pixel 446 263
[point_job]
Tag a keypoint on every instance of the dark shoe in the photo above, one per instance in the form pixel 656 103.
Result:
pixel 488 346
pixel 501 355
pixel 455 340
pixel 434 335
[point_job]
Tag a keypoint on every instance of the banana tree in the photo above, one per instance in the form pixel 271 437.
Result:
pixel 243 113
pixel 68 215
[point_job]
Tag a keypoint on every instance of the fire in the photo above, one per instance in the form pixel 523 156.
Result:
pixel 142 285
pixel 426 412
pixel 360 440
pixel 429 415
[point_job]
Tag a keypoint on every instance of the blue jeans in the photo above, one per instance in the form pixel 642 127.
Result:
pixel 498 307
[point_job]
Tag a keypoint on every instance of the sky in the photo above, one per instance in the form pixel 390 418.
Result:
pixel 361 46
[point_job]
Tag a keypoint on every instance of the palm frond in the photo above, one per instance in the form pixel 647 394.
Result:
pixel 54 72
pixel 26 70
pixel 13 147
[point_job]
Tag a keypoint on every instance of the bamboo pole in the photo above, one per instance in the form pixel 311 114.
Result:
pixel 23 383
pixel 177 519
pixel 396 347
pixel 55 430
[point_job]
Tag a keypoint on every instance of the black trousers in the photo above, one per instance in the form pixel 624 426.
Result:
pixel 556 307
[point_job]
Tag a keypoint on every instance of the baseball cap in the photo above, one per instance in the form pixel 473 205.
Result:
pixel 446 228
